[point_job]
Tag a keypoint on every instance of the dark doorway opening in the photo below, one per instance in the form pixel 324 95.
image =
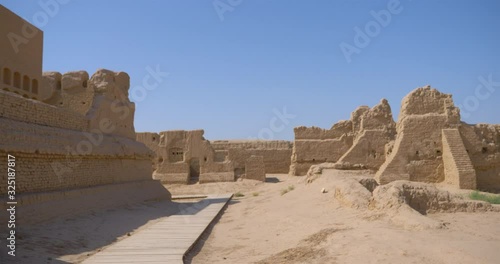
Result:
pixel 194 170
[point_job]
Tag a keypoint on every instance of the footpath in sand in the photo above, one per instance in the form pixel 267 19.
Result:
pixel 167 240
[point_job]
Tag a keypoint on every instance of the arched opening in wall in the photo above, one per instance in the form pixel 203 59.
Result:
pixel 160 160
pixel 7 76
pixel 34 86
pixel 59 85
pixel 194 170
pixel 17 80
pixel 84 84
pixel 26 83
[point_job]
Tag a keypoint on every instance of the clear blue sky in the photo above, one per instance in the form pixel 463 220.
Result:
pixel 226 76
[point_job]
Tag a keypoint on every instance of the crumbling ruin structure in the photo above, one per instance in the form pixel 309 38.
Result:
pixel 71 136
pixel 358 142
pixel 275 153
pixel 186 157
pixel 433 145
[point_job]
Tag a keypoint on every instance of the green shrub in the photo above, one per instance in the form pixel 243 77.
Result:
pixel 291 188
pixel 284 191
pixel 238 194
pixel 255 194
pixel 490 198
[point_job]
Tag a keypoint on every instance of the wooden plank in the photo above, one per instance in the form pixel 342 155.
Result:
pixel 166 241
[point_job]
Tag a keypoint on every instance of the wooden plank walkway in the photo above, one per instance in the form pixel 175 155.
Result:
pixel 168 240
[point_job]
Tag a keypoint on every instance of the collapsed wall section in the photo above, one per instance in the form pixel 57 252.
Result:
pixel 186 157
pixel 358 142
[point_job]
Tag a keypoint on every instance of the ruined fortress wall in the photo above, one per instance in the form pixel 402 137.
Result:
pixel 421 153
pixel 50 158
pixel 276 153
pixel 37 173
pixel 217 172
pixel 417 151
pixel 21 53
pixel 255 168
pixel 18 108
pixel 173 173
pixel 482 143
pixel 311 152
pixel 59 148
pixel 359 141
pixel 151 140
pixel 368 149
pixel 310 133
pixel 182 156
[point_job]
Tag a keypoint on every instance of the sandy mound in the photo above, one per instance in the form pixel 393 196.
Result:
pixel 405 203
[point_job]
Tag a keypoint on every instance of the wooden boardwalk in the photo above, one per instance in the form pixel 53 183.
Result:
pixel 168 240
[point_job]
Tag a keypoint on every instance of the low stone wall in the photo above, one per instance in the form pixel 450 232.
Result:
pixel 254 168
pixel 276 153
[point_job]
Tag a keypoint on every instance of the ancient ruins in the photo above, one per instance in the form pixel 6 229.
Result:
pixel 429 143
pixel 71 135
pixel 187 157
pixel 76 150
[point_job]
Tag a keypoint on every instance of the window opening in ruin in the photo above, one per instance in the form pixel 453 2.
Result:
pixel 17 80
pixel 26 83
pixel 6 76
pixel 194 170
pixel 176 155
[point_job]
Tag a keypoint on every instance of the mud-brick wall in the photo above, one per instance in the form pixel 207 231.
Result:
pixel 276 153
pixel 37 173
pixel 25 110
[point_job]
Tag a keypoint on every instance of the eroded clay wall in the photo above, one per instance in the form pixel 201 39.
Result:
pixel 417 153
pixel 185 156
pixel 58 148
pixel 359 142
pixel 276 153
pixel 482 142
pixel 18 108
pixel 102 98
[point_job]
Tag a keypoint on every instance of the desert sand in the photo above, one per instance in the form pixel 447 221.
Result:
pixel 308 226
pixel 267 225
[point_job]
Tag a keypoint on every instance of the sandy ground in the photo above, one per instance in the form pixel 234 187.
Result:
pixel 281 221
pixel 73 239
pixel 307 226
